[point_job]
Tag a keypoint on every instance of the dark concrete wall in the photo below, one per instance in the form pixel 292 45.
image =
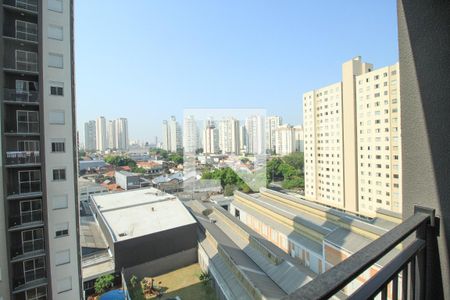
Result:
pixel 163 265
pixel 139 250
pixel 424 41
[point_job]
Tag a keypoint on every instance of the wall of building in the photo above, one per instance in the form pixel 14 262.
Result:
pixel 154 246
pixel 163 265
pixel 70 272
pixel 424 30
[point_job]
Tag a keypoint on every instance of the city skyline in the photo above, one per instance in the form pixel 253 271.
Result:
pixel 277 60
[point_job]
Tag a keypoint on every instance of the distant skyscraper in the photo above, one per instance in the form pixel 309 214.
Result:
pixel 352 140
pixel 171 135
pixel 288 139
pixel 255 127
pixel 90 136
pixel 121 134
pixel 229 136
pixel 100 134
pixel 190 134
pixel 272 123
pixel 210 138
pixel 111 135
pixel 243 139
pixel 299 139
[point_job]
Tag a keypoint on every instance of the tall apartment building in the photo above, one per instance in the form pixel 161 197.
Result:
pixel 101 134
pixel 171 135
pixel 39 244
pixel 272 124
pixel 352 140
pixel 190 134
pixel 229 136
pixel 111 135
pixel 243 139
pixel 210 138
pixel 288 139
pixel 121 134
pixel 90 136
pixel 255 128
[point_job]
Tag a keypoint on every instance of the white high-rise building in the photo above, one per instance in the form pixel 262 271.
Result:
pixel 288 139
pixel 210 138
pixel 229 136
pixel 255 128
pixel 299 139
pixel 121 134
pixel 39 215
pixel 243 139
pixel 90 136
pixel 352 140
pixel 171 135
pixel 100 133
pixel 272 124
pixel 111 135
pixel 190 134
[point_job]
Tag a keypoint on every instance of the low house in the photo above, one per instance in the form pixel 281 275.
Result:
pixel 151 167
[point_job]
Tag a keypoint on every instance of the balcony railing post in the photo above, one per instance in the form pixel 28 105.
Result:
pixel 423 233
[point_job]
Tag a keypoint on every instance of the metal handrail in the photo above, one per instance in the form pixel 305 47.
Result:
pixel 22 157
pixel 329 283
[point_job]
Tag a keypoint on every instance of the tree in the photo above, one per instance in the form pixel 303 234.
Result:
pixel 103 283
pixel 229 189
pixel 296 160
pixel 120 161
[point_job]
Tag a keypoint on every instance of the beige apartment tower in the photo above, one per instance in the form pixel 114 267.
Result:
pixel 352 140
pixel 39 242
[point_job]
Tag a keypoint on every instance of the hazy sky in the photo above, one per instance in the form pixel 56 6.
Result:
pixel 146 60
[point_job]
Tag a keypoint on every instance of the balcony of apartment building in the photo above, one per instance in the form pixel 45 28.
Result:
pixel 25 214
pixel 26 244
pixel 23 183
pixel 20 46
pixel 29 274
pixel 20 28
pixel 22 6
pixel 21 121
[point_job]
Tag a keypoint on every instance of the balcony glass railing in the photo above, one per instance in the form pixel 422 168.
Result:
pixel 22 157
pixel 28 247
pixel 13 95
pixel 28 127
pixel 25 189
pixel 31 5
pixel 29 66
pixel 25 218
pixel 29 278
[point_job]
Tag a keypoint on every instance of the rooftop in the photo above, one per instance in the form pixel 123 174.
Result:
pixel 141 212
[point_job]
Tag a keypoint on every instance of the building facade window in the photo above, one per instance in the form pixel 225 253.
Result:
pixel 55 32
pixel 39 293
pixel 62 257
pixel 34 269
pixel 56 88
pixel 58 146
pixel 64 285
pixel 55 5
pixel 59 174
pixel 57 117
pixel 55 60
pixel 62 230
pixel 60 202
